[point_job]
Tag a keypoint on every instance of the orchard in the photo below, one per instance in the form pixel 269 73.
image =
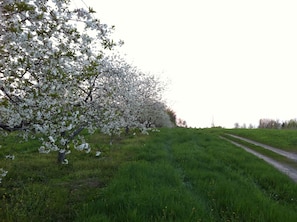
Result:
pixel 59 76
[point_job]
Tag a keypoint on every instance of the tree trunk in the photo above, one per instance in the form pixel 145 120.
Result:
pixel 127 130
pixel 61 156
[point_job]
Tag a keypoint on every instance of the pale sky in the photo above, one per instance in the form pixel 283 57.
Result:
pixel 226 61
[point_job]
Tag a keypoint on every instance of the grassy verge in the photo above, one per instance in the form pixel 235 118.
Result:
pixel 192 175
pixel 283 139
pixel 265 152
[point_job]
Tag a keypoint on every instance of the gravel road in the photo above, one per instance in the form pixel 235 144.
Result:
pixel 290 171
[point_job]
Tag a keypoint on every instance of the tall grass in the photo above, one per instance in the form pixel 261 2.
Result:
pixel 192 175
pixel 171 175
pixel 36 188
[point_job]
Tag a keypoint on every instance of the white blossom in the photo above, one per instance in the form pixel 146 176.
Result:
pixel 83 147
pixel 3 172
pixel 11 157
pixel 65 161
pixel 51 139
pixel 57 79
pixel 42 149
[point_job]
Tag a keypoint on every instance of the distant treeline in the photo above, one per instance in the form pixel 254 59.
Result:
pixel 270 124
pixel 276 124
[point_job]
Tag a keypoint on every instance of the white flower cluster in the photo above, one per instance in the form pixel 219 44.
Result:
pixel 57 79
pixel 10 157
pixel 83 147
pixel 3 173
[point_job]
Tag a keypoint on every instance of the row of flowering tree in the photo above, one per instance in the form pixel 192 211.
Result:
pixel 58 77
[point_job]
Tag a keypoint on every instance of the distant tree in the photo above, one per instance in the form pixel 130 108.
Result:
pixel 251 126
pixel 269 124
pixel 291 124
pixel 236 125
pixel 172 115
pixel 181 123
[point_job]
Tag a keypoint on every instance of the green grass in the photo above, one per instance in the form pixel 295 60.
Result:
pixel 36 188
pixel 191 175
pixel 265 152
pixel 284 139
pixel 174 175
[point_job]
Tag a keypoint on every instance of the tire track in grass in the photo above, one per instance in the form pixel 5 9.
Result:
pixel 289 171
pixel 286 154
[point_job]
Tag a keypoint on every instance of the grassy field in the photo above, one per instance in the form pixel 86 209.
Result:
pixel 171 175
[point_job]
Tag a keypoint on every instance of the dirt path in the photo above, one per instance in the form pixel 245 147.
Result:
pixel 289 155
pixel 290 171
